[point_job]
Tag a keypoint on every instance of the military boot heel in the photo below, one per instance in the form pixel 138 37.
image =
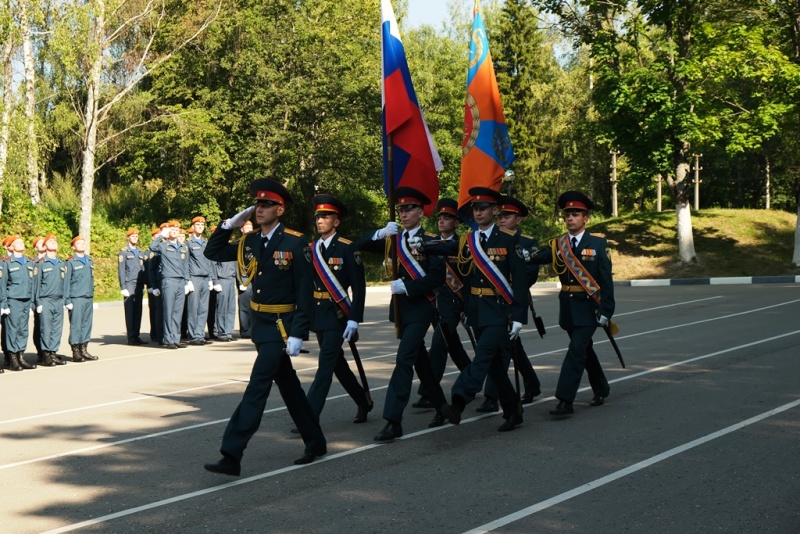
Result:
pixel 76 353
pixel 85 353
pixel 13 362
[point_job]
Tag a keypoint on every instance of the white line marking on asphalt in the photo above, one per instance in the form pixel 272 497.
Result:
pixel 179 498
pixel 594 484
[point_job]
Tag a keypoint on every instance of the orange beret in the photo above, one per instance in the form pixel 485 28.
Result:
pixel 213 229
pixel 199 218
pixel 174 224
pixel 36 240
pixel 131 231
pixel 74 239
pixel 13 238
pixel 6 241
pixel 50 236
pixel 155 231
pixel 181 231
pixel 163 225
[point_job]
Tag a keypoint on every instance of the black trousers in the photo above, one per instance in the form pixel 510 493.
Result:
pixel 411 356
pixel 133 314
pixel 272 364
pixel 440 350
pixel 521 364
pixel 332 362
pixel 580 356
pixel 492 359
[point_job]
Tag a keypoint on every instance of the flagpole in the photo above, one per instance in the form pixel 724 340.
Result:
pixel 392 216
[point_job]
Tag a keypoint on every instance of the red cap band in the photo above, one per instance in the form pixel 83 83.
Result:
pixel 575 205
pixel 409 200
pixel 327 207
pixel 269 195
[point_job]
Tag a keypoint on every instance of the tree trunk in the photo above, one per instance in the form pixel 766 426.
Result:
pixel 683 212
pixel 90 120
pixel 30 105
pixel 796 256
pixel 8 93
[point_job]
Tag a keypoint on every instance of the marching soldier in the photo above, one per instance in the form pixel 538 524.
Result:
pixel 586 299
pixel 245 292
pixel 154 302
pixel 174 281
pixel 200 276
pixel 79 300
pixel 337 269
pixel 276 261
pixel 19 297
pixel 511 213
pixel 131 274
pixel 450 306
pixel 413 292
pixel 49 300
pixel 493 267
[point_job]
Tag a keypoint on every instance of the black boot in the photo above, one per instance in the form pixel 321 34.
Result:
pixel 23 362
pixel 76 353
pixel 47 360
pixel 13 362
pixel 40 357
pixel 85 353
pixel 55 357
pixel 7 358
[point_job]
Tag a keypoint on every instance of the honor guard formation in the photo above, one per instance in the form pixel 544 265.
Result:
pixel 289 286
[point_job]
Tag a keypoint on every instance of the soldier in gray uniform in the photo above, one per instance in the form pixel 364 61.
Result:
pixel 19 296
pixel 175 283
pixel 38 245
pixel 245 292
pixel 200 274
pixel 131 274
pixel 155 303
pixel 4 311
pixel 225 290
pixel 79 300
pixel 49 300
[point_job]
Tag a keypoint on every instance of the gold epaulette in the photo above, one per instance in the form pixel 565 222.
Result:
pixel 526 236
pixel 292 232
pixel 429 234
pixel 507 231
pixel 345 241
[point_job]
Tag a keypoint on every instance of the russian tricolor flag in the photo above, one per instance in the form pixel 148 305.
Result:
pixel 415 160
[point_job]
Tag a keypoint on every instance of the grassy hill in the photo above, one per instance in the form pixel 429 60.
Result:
pixel 727 242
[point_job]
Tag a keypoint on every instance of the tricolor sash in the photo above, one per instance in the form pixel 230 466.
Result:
pixel 587 282
pixel 412 266
pixel 489 269
pixel 338 293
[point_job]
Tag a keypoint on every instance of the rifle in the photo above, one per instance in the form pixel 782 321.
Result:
pixel 471 335
pixel 536 319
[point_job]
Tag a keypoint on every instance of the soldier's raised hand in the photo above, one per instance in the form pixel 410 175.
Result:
pixel 239 219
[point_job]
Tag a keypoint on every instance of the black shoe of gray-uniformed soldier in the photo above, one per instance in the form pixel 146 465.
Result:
pixel 23 362
pixel 225 466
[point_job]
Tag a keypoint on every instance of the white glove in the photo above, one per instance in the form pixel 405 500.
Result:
pixel 156 292
pixel 242 287
pixel 210 285
pixel 150 290
pixel 415 243
pixel 39 308
pixel 218 288
pixel 516 326
pixel 239 219
pixel 5 311
pixel 526 254
pixel 350 329
pixel 68 306
pixel 293 346
pixel 391 228
pixel 165 231
pixel 187 289
pixel 602 320
pixel 398 287
pixel 125 293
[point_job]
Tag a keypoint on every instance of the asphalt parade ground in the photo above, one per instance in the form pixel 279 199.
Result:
pixel 701 433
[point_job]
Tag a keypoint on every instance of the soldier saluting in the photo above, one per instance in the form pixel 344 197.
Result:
pixel 276 262
pixel 586 299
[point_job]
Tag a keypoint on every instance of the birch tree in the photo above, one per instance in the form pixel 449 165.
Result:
pixel 114 45
pixel 32 146
pixel 6 30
